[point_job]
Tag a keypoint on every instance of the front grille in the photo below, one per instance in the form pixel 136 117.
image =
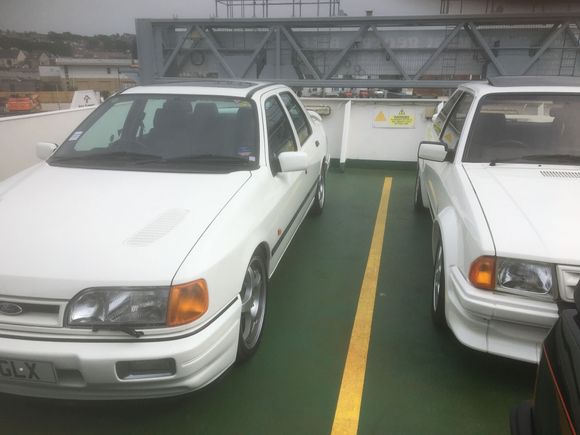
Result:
pixel 568 278
pixel 29 312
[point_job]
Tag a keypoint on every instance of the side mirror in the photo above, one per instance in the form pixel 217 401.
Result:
pixel 433 151
pixel 293 161
pixel 45 149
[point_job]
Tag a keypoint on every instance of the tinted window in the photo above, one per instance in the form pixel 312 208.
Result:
pixel 298 117
pixel 455 122
pixel 183 133
pixel 526 128
pixel 280 134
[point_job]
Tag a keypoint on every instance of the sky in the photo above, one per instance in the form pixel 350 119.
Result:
pixel 90 17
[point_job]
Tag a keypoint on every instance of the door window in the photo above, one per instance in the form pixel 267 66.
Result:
pixel 298 116
pixel 280 134
pixel 456 121
pixel 442 117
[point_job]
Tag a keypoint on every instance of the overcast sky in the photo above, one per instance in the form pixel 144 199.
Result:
pixel 89 17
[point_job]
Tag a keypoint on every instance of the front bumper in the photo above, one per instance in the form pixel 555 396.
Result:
pixel 86 370
pixel 501 324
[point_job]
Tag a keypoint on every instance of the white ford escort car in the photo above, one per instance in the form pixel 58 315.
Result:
pixel 134 262
pixel 501 178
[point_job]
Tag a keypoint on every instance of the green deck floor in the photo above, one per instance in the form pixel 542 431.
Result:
pixel 418 381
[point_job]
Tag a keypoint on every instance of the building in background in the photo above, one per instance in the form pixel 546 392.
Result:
pixel 104 75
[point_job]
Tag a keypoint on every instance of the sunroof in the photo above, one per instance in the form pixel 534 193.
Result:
pixel 234 84
pixel 502 81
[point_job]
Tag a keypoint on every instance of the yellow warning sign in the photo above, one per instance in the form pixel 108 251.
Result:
pixel 402 119
pixel 397 118
pixel 380 117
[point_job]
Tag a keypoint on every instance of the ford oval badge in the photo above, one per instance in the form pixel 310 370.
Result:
pixel 10 309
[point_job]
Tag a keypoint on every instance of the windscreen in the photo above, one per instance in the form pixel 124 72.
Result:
pixel 532 128
pixel 181 133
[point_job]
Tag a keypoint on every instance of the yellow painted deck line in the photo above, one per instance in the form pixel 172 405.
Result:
pixel 347 412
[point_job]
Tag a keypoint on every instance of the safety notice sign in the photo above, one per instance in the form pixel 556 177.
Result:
pixel 400 118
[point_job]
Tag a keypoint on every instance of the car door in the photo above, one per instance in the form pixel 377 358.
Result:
pixel 436 174
pixel 307 143
pixel 286 193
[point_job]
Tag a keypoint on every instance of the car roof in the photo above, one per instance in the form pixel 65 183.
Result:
pixel 225 88
pixel 524 84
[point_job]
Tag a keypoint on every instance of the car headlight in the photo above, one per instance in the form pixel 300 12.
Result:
pixel 512 275
pixel 116 306
pixel 144 307
pixel 525 276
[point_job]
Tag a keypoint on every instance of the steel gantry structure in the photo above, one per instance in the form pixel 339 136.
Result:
pixel 352 52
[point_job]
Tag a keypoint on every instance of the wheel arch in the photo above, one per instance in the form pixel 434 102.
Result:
pixel 446 230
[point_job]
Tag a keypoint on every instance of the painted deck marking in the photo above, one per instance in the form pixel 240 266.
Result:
pixel 347 412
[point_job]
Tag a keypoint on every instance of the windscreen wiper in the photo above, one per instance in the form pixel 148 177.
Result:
pixel 208 158
pixel 539 158
pixel 114 155
pixel 122 328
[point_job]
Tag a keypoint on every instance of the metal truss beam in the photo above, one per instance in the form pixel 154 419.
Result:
pixel 178 47
pixel 390 52
pixel 554 33
pixel 360 34
pixel 298 49
pixel 478 38
pixel 257 52
pixel 213 45
pixel 392 21
pixel 323 48
pixel 439 50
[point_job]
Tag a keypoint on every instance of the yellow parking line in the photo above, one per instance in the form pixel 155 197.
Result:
pixel 347 412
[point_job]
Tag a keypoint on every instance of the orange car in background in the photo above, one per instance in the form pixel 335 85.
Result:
pixel 28 103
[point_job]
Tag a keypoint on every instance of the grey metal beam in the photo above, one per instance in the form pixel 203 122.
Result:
pixel 173 54
pixel 308 83
pixel 572 36
pixel 256 52
pixel 298 49
pixel 554 33
pixel 437 52
pixel 278 53
pixel 360 34
pixel 213 47
pixel 390 53
pixel 395 21
pixel 441 84
pixel 472 30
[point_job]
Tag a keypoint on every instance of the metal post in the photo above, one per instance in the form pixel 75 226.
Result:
pixel 278 53
pixel 345 133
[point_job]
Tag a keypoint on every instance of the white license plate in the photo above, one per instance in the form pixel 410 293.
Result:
pixel 27 371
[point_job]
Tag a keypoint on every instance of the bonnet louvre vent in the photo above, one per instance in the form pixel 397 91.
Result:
pixel 561 174
pixel 157 229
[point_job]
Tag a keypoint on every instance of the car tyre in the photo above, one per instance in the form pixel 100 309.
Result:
pixel 253 313
pixel 320 195
pixel 438 290
pixel 418 196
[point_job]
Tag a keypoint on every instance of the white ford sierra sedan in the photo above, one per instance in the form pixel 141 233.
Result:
pixel 501 178
pixel 134 262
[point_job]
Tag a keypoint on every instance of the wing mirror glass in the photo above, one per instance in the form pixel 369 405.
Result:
pixel 293 161
pixel 433 151
pixel 45 149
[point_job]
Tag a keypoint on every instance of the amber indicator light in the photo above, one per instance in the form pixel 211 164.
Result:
pixel 482 273
pixel 187 302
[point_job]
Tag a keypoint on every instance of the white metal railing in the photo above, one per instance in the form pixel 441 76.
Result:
pixel 357 129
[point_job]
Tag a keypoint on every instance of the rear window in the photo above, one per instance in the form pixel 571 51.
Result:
pixel 532 128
